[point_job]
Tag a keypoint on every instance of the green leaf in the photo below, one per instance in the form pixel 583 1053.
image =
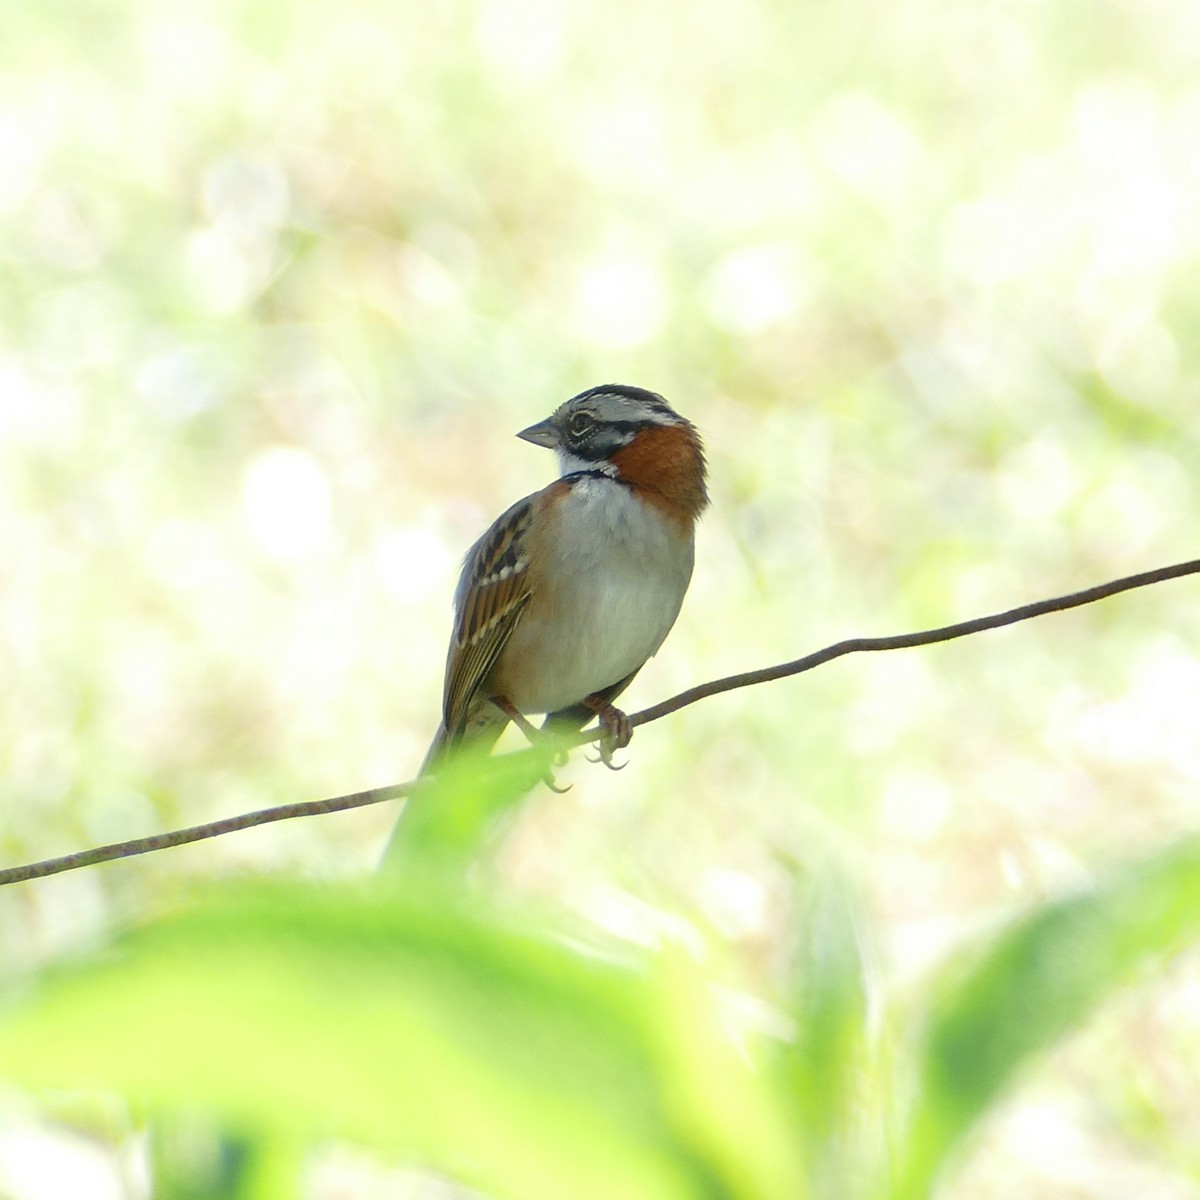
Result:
pixel 408 1022
pixel 742 1123
pixel 827 1063
pixel 1037 982
pixel 191 1158
pixel 445 821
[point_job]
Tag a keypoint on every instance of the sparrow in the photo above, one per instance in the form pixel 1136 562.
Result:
pixel 563 600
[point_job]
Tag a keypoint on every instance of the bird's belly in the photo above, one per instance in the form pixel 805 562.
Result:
pixel 615 603
pixel 613 629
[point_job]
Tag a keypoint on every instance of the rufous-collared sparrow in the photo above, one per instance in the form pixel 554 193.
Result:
pixel 567 595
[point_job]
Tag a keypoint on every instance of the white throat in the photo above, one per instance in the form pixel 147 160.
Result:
pixel 568 464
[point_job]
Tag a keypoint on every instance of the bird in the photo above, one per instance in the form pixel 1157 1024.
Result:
pixel 570 591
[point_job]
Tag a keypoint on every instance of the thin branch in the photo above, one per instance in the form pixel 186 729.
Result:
pixel 196 833
pixel 901 641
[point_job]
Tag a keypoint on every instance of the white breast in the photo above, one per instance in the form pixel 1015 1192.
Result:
pixel 623 571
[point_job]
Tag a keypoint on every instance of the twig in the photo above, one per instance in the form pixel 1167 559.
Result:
pixel 902 641
pixel 196 833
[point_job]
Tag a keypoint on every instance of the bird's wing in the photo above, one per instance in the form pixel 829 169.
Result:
pixel 491 596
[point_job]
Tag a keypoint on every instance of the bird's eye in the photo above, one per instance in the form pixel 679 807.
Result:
pixel 580 425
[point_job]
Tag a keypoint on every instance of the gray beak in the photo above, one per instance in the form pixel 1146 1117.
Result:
pixel 544 433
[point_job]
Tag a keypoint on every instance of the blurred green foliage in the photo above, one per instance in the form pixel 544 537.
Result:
pixel 279 282
pixel 440 1021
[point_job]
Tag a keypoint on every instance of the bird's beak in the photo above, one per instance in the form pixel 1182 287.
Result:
pixel 544 433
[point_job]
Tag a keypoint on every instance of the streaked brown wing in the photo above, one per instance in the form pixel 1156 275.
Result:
pixel 491 594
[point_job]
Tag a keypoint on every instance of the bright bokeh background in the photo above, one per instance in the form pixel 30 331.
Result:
pixel 279 283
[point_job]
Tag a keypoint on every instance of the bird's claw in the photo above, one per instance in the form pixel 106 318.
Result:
pixel 605 755
pixel 615 729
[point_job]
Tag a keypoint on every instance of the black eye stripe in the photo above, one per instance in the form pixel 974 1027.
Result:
pixel 617 426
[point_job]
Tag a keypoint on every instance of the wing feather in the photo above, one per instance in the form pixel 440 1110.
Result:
pixel 492 592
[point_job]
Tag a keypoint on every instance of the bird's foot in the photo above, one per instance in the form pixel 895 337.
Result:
pixel 536 738
pixel 615 728
pixel 518 718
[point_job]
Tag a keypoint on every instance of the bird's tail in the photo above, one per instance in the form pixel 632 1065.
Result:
pixel 436 753
pixel 478 737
